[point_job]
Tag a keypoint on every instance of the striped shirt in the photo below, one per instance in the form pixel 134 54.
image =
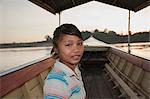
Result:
pixel 63 83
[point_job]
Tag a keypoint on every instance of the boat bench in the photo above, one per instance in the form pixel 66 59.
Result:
pixel 130 74
pixel 125 87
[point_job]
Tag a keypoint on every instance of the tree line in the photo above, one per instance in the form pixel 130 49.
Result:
pixel 112 37
pixel 109 37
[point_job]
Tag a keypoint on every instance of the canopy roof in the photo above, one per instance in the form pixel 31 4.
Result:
pixel 56 6
pixel 91 41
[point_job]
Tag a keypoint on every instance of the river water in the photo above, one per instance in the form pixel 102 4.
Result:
pixel 138 49
pixel 13 57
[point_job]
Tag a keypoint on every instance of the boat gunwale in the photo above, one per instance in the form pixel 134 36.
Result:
pixel 136 60
pixel 5 72
pixel 16 79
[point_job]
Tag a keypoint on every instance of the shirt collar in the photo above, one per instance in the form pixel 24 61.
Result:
pixel 61 66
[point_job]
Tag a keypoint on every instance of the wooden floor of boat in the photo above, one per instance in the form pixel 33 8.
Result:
pixel 97 85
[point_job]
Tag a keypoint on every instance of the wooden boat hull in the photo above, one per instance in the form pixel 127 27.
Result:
pixel 27 82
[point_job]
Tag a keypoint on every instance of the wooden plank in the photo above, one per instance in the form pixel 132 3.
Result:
pixel 97 85
pixel 33 89
pixel 16 79
pixel 125 87
pixel 121 64
pixel 145 83
pixel 137 75
pixel 42 76
pixel 17 93
pixel 117 60
pixel 125 77
pixel 141 63
pixel 128 69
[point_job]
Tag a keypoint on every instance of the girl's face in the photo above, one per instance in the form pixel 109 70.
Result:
pixel 70 50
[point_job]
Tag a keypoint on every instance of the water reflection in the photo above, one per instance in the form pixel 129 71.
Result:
pixel 138 49
pixel 14 57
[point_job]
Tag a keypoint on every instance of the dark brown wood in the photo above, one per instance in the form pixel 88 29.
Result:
pixel 138 61
pixel 97 85
pixel 146 65
pixel 14 80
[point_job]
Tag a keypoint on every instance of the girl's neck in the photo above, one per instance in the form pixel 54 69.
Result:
pixel 71 66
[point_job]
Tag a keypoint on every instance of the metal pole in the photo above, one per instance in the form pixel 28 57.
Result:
pixel 129 33
pixel 59 18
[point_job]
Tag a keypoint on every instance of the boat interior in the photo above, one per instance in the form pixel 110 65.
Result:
pixel 106 72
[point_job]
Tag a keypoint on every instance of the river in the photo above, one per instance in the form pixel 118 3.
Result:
pixel 13 57
pixel 138 49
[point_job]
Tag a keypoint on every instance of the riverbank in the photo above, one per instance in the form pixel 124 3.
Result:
pixel 30 44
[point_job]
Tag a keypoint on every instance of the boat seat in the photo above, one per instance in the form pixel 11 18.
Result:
pixel 134 76
pixel 139 82
pixel 123 85
pixel 136 80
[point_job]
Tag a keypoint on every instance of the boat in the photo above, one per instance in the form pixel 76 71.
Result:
pixel 107 71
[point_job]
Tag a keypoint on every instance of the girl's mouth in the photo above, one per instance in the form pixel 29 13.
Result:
pixel 76 57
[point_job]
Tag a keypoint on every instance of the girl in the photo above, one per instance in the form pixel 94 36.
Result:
pixel 64 80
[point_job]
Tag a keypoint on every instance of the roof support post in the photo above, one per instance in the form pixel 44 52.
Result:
pixel 129 33
pixel 59 18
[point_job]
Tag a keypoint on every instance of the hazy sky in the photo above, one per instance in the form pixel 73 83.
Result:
pixel 23 21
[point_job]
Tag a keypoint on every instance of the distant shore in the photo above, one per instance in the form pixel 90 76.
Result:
pixel 48 44
pixel 30 44
pixel 109 38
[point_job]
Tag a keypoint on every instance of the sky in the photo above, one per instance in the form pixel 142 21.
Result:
pixel 23 21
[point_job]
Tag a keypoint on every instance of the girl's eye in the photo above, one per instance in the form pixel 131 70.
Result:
pixel 80 43
pixel 68 44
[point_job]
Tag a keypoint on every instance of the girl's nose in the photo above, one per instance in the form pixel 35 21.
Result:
pixel 78 48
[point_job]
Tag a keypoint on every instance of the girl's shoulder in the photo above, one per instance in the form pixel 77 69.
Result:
pixel 60 76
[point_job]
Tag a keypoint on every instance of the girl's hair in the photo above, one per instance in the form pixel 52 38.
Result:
pixel 64 29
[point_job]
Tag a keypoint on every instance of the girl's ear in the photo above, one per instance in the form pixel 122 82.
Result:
pixel 54 53
pixel 55 50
